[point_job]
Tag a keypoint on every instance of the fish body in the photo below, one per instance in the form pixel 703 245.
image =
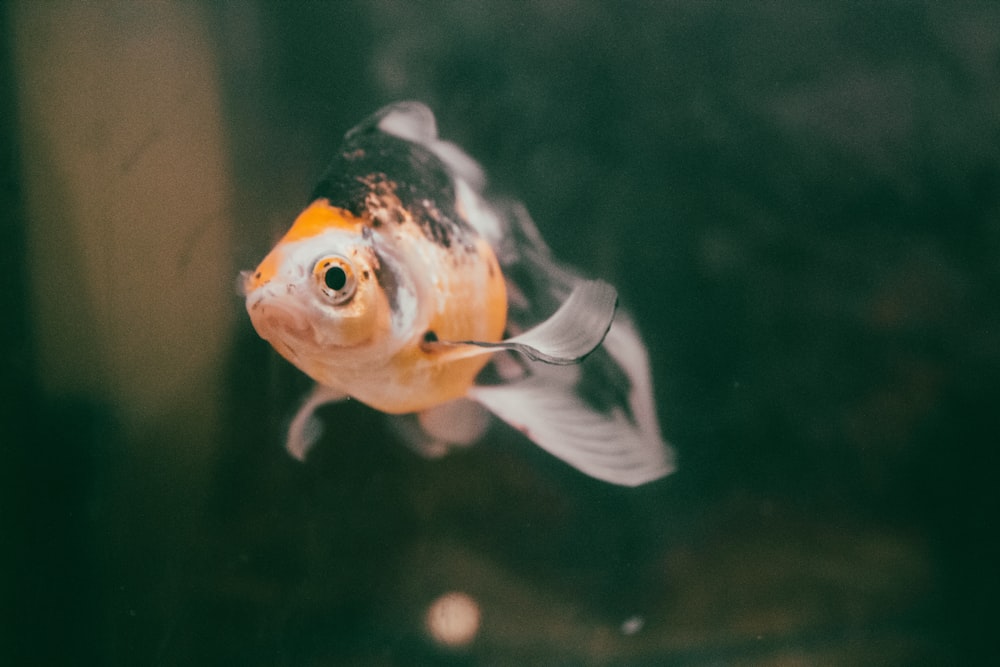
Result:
pixel 403 286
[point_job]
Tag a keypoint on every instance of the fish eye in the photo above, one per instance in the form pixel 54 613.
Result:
pixel 335 277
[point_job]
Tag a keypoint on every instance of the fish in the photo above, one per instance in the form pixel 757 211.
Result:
pixel 407 285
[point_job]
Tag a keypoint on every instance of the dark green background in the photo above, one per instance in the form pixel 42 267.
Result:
pixel 799 202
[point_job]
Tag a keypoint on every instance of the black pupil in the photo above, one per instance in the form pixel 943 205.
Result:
pixel 335 278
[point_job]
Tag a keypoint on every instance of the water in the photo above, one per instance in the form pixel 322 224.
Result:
pixel 797 202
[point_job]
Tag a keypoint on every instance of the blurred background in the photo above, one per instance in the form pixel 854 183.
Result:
pixel 798 201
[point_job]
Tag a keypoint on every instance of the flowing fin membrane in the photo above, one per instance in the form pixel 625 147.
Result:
pixel 414 122
pixel 433 433
pixel 604 445
pixel 598 417
pixel 305 430
pixel 573 331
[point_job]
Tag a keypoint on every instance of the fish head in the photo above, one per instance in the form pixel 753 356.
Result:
pixel 318 297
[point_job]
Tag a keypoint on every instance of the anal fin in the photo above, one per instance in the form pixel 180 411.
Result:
pixel 434 432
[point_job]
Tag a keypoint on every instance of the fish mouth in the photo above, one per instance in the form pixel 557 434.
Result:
pixel 277 321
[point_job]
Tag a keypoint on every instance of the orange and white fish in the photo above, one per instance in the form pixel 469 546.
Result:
pixel 404 287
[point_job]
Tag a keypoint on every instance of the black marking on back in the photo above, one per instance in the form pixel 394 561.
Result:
pixel 373 169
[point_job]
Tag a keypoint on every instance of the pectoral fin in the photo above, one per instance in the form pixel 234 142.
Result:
pixel 608 446
pixel 569 335
pixel 305 429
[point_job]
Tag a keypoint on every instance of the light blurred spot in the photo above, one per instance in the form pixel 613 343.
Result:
pixel 453 619
pixel 632 625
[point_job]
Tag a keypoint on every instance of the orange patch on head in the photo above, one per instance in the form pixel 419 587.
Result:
pixel 319 217
pixel 263 273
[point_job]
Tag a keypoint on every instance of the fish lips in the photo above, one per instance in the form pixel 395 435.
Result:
pixel 276 321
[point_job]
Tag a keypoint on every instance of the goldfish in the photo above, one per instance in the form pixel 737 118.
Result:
pixel 407 286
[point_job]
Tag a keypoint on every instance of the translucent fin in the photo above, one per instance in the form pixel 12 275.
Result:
pixel 407 428
pixel 625 347
pixel 432 433
pixel 414 121
pixel 460 422
pixel 573 331
pixel 604 445
pixel 305 429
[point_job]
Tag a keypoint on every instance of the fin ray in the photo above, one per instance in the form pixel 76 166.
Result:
pixel 607 446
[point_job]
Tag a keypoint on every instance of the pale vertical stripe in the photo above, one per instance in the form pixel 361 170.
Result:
pixel 127 189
